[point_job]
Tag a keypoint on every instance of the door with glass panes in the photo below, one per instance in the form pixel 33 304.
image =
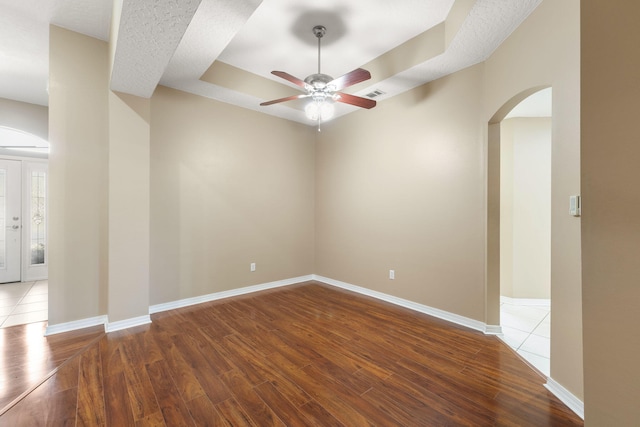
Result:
pixel 23 214
pixel 10 221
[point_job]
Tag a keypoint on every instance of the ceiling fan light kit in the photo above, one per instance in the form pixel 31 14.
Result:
pixel 319 110
pixel 324 89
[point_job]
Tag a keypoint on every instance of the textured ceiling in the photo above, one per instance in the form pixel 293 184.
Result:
pixel 225 49
pixel 213 26
pixel 148 36
pixel 24 40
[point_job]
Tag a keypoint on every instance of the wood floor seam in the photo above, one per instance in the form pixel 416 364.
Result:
pixel 51 373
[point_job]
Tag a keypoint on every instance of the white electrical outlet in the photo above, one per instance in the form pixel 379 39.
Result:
pixel 392 274
pixel 253 266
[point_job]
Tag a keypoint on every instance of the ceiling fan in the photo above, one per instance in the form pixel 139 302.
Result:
pixel 323 89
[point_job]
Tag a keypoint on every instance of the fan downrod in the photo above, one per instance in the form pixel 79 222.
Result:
pixel 318 80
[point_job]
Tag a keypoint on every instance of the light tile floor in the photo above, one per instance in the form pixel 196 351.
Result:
pixel 22 303
pixel 527 329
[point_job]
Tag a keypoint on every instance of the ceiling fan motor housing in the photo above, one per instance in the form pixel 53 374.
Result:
pixel 319 88
pixel 318 81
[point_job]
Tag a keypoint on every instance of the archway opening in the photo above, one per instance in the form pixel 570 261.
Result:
pixel 520 175
pixel 24 248
pixel 18 143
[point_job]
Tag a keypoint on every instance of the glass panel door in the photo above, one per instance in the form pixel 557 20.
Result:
pixel 38 224
pixel 36 250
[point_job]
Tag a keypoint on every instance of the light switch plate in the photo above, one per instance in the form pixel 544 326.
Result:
pixel 575 205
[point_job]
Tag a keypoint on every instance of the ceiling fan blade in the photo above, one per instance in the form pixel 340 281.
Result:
pixel 356 76
pixel 356 100
pixel 289 77
pixel 288 98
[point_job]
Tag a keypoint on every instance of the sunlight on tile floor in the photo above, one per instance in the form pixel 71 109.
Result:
pixel 22 303
pixel 527 329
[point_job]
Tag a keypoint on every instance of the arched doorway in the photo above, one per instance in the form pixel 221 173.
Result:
pixel 519 224
pixel 23 227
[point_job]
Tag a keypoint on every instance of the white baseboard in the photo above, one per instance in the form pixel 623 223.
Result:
pixel 34 279
pixel 226 294
pixel 142 320
pixel 493 329
pixel 95 321
pixel 542 302
pixel 127 323
pixel 435 312
pixel 75 325
pixel 568 398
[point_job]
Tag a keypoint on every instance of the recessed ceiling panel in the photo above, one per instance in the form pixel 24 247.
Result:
pixel 279 34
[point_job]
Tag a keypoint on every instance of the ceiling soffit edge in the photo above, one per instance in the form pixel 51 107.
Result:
pixel 467 37
pixel 147 38
pixel 417 50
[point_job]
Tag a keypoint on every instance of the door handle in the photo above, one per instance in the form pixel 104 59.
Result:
pixel 13 227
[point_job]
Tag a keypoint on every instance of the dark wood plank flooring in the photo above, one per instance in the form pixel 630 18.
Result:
pixel 27 356
pixel 303 355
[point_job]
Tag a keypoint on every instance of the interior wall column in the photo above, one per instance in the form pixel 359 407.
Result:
pixel 610 101
pixel 129 138
pixel 78 129
pixel 129 184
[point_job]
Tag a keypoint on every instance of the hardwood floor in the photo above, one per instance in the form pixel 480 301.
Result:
pixel 302 355
pixel 27 357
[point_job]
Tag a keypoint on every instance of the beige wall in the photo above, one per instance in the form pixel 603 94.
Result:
pixel 78 134
pixel 525 207
pixel 26 117
pixel 507 191
pixel 129 131
pixel 611 211
pixel 545 51
pixel 228 187
pixel 402 187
